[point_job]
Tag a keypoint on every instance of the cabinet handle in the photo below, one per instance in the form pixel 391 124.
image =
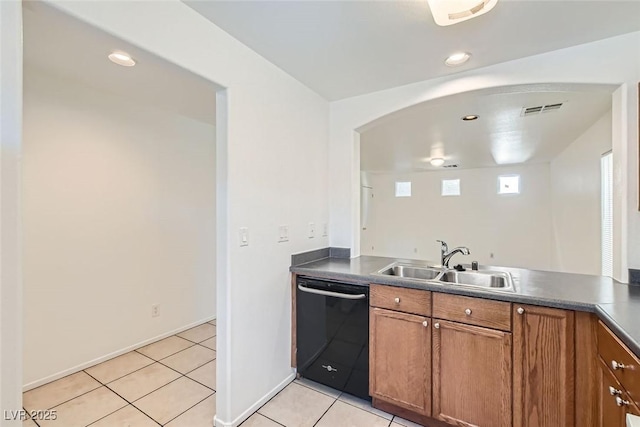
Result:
pixel 520 310
pixel 397 300
pixel 425 323
pixel 436 325
pixel 617 366
pixel 621 402
pixel 614 391
pixel 467 312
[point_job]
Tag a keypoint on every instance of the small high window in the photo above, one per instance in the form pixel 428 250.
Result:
pixel 403 189
pixel 450 187
pixel 509 184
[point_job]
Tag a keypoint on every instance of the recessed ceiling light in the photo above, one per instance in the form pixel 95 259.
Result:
pixel 470 117
pixel 122 58
pixel 437 161
pixel 456 59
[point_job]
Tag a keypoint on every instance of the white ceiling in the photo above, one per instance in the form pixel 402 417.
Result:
pixel 346 48
pixel 407 139
pixel 60 44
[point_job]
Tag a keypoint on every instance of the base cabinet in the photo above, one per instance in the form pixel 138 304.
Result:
pixel 543 367
pixel 400 359
pixel 614 401
pixel 477 362
pixel 471 375
pixel 619 380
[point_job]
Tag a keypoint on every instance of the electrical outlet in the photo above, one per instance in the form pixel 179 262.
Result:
pixel 283 233
pixel 155 310
pixel 312 230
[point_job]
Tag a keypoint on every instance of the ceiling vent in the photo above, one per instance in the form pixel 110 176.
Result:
pixel 531 111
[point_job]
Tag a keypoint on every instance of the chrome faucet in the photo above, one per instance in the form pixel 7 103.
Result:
pixel 446 254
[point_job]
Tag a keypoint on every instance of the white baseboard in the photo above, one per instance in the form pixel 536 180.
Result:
pixel 217 422
pixel 106 357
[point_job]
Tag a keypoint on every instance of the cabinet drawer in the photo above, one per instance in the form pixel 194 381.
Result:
pixel 395 298
pixel 473 311
pixel 624 365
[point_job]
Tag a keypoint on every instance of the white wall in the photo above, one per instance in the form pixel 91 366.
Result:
pixel 272 162
pixel 10 230
pixel 506 230
pixel 575 201
pixel 119 214
pixel 607 61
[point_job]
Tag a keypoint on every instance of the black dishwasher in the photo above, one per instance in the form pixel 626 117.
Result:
pixel 332 321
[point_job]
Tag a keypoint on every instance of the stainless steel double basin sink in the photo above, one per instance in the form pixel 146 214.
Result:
pixel 486 279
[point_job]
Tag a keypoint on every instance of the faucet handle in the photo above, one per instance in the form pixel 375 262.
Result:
pixel 443 246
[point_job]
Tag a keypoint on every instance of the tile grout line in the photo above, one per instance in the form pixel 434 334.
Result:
pixel 119 378
pixel 184 375
pixel 141 397
pixel 366 410
pixel 311 388
pixel 131 403
pixel 325 413
pixel 75 397
pixel 195 342
pixel 262 415
pixel 347 402
pixel 191 342
pixel 274 396
pixel 128 404
pixel 190 408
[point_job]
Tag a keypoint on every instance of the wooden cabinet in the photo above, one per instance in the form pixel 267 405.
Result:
pixel 473 311
pixel 543 367
pixel 619 380
pixel 400 359
pixel 471 375
pixel 413 301
pixel 438 358
pixel 614 402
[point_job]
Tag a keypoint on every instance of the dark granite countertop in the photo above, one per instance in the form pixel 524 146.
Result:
pixel 617 304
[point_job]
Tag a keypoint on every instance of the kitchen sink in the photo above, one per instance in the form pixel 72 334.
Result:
pixel 411 271
pixel 486 279
pixel 482 279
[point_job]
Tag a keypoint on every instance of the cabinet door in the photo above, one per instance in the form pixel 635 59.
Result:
pixel 400 359
pixel 471 375
pixel 543 367
pixel 611 415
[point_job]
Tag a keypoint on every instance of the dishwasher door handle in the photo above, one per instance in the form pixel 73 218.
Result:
pixel 331 294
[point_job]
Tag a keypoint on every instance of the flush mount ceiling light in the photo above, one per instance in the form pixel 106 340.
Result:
pixel 470 117
pixel 456 59
pixel 449 12
pixel 122 58
pixel 437 161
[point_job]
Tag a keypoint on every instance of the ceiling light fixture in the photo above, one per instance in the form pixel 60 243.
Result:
pixel 449 12
pixel 122 58
pixel 437 161
pixel 470 117
pixel 457 58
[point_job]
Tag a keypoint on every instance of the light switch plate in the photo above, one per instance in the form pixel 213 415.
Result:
pixel 244 236
pixel 325 229
pixel 312 230
pixel 283 233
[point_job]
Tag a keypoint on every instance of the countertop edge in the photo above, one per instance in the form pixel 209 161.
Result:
pixel 444 288
pixel 618 330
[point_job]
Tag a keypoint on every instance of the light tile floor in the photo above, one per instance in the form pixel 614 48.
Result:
pixel 304 403
pixel 170 383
